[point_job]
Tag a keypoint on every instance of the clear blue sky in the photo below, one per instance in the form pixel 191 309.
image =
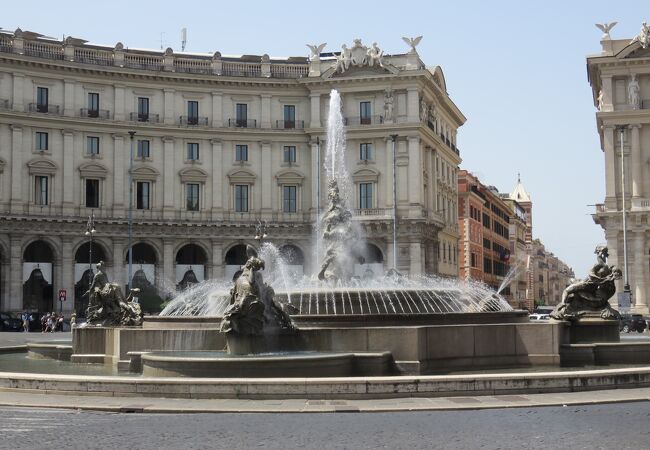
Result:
pixel 516 69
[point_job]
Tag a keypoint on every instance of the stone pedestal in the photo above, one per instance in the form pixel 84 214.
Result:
pixel 591 330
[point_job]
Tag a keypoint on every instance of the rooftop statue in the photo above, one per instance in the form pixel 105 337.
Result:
pixel 643 37
pixel 412 42
pixel 316 51
pixel 359 55
pixel 107 305
pixel 590 297
pixel 606 28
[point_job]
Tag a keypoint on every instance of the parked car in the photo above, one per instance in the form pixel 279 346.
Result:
pixel 632 322
pixel 9 322
pixel 537 317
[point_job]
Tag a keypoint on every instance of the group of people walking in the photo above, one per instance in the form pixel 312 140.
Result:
pixel 49 322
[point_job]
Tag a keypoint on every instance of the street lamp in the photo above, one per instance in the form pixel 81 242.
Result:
pixel 626 288
pixel 90 231
pixel 394 138
pixel 131 134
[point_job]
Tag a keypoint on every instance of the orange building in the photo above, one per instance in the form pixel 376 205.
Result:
pixel 483 220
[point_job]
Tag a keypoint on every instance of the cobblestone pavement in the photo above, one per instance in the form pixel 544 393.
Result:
pixel 621 425
pixel 11 338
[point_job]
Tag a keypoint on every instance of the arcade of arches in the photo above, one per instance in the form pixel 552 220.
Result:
pixel 34 271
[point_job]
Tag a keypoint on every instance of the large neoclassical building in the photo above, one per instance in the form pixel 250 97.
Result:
pixel 620 82
pixel 219 143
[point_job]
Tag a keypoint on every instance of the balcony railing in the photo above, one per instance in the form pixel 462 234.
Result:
pixel 149 118
pixel 373 212
pixel 241 123
pixel 95 113
pixel 369 120
pixel 290 124
pixel 600 208
pixel 47 109
pixel 193 121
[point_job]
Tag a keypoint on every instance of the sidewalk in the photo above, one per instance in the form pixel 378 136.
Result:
pixel 179 405
pixel 10 339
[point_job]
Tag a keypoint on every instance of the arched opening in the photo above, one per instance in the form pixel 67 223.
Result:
pixel 373 262
pixel 190 265
pixel 38 294
pixel 294 259
pixel 84 272
pixel 144 277
pixel 235 258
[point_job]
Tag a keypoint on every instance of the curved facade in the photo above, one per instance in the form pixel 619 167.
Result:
pixel 219 144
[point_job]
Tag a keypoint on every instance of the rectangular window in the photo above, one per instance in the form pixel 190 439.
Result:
pixel 42 99
pixel 365 113
pixel 192 151
pixel 241 198
pixel 42 141
pixel 143 109
pixel 241 152
pixel 241 115
pixel 41 190
pixel 289 199
pixel 143 148
pixel 365 195
pixel 93 145
pixel 143 194
pixel 365 152
pixel 192 112
pixel 289 116
pixel 192 196
pixel 93 104
pixel 473 260
pixel 289 154
pixel 92 193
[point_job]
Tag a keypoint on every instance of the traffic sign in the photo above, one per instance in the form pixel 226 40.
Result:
pixel 63 294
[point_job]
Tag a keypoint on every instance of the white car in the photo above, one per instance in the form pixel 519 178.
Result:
pixel 537 317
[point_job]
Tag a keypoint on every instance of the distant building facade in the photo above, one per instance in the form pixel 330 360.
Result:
pixel 620 81
pixel 220 143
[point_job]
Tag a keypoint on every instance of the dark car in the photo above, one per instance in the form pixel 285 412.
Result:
pixel 632 322
pixel 10 323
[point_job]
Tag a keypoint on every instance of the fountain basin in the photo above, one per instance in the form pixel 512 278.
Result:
pixel 211 364
pixel 51 350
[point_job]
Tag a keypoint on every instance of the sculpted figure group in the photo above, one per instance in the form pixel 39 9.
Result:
pixel 590 297
pixel 359 55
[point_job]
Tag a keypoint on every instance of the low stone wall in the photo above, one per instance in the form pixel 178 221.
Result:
pixel 49 351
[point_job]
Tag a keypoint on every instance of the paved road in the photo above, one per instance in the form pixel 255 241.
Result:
pixel 10 338
pixel 622 425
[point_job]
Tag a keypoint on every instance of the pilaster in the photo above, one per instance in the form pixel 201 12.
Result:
pixel 218 181
pixel 415 185
pixel 217 260
pixel 266 177
pixel 169 107
pixel 640 273
pixel 169 273
pixel 315 168
pixel 168 181
pixel 118 114
pixel 412 105
pixel 637 165
pixel 67 274
pixel 610 166
pixel 68 170
pixel 266 111
pixel 118 174
pixel 315 110
pixel 607 102
pixel 68 98
pixel 18 100
pixel 119 265
pixel 17 170
pixel 415 256
pixel 217 110
pixel 15 279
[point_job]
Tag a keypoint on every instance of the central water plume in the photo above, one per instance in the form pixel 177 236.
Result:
pixel 335 155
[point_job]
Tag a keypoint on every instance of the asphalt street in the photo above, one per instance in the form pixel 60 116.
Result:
pixel 621 425
pixel 8 339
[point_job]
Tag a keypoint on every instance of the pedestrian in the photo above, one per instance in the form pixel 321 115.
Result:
pixel 44 322
pixel 60 323
pixel 25 319
pixel 48 324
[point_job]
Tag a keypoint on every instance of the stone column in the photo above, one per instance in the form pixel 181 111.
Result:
pixel 267 178
pixel 315 168
pixel 610 166
pixel 68 171
pixel 640 273
pixel 388 196
pixel 18 100
pixel 169 184
pixel 412 105
pixel 118 175
pixel 606 86
pixel 17 175
pixel 16 274
pixel 119 262
pixel 217 110
pixel 69 87
pixel 169 118
pixel 266 111
pixel 169 262
pixel 414 177
pixel 67 275
pixel 315 110
pixel 217 179
pixel 5 273
pixel 415 255
pixel 119 113
pixel 637 165
pixel 217 261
